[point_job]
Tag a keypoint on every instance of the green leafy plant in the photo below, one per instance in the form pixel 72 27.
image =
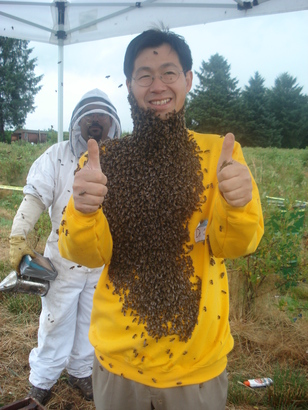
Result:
pixel 290 389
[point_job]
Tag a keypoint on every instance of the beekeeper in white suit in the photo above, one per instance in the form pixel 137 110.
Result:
pixel 64 322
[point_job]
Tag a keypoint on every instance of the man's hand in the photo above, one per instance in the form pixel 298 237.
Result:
pixel 89 188
pixel 234 179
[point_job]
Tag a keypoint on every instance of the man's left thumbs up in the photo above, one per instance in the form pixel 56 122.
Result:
pixel 234 179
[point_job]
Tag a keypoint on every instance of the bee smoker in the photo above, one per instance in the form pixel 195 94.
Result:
pixel 34 278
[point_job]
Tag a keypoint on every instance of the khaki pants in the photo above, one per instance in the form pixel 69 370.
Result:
pixel 112 392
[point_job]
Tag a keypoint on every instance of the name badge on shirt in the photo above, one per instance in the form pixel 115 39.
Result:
pixel 200 231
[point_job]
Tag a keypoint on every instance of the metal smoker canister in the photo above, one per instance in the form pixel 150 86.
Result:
pixel 35 276
pixel 17 284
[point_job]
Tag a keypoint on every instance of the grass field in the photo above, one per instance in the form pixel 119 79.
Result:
pixel 269 291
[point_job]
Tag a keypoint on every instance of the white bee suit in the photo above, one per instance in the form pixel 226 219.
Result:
pixel 66 309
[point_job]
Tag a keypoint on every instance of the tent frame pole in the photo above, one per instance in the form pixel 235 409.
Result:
pixel 60 89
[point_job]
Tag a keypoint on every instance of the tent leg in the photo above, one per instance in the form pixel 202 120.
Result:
pixel 60 89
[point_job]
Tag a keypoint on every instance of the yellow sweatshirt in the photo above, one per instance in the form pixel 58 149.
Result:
pixel 122 345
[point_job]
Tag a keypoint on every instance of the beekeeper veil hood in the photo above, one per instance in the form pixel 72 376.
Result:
pixel 104 106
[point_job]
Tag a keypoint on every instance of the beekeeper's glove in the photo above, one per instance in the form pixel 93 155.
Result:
pixel 25 219
pixel 18 249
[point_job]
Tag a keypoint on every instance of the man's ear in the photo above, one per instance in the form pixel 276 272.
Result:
pixel 128 84
pixel 189 78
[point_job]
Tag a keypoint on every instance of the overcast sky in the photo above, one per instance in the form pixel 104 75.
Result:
pixel 270 45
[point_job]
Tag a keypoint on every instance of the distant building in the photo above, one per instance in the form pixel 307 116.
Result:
pixel 35 136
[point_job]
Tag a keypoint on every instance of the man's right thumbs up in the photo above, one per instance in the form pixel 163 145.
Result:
pixel 89 188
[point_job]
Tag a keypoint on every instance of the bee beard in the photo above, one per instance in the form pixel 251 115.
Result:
pixel 154 186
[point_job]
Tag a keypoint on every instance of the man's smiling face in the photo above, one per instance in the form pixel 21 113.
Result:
pixel 163 98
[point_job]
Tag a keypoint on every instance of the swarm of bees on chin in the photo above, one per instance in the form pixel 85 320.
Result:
pixel 154 186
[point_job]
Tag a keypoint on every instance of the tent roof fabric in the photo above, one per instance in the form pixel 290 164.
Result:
pixel 75 21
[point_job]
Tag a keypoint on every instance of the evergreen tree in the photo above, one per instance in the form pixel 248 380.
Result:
pixel 290 108
pixel 18 83
pixel 214 105
pixel 261 129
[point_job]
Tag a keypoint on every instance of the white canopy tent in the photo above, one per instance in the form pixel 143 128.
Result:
pixel 70 22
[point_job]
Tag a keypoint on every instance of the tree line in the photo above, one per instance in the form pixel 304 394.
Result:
pixel 18 84
pixel 257 115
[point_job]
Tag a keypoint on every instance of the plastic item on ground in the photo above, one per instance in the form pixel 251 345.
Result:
pixel 264 382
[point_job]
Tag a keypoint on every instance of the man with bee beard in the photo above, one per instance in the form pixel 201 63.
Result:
pixel 161 208
pixel 64 321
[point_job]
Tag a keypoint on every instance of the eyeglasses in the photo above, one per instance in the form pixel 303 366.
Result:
pixel 145 80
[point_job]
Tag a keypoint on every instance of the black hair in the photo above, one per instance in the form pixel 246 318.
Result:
pixel 155 38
